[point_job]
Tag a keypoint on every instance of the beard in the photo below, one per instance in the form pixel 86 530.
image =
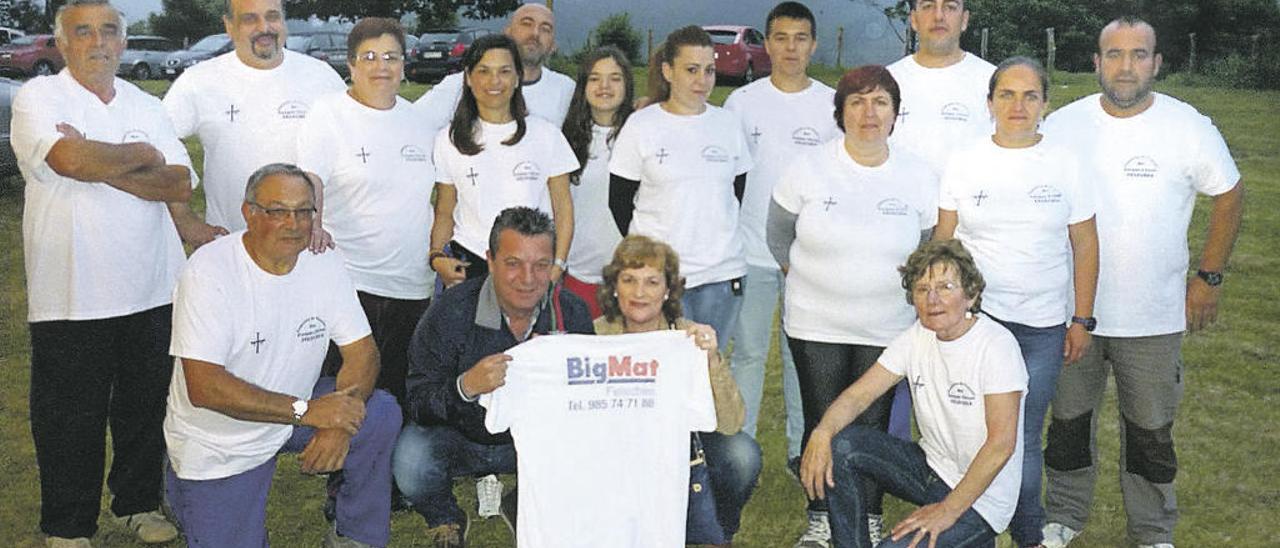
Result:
pixel 1127 98
pixel 265 52
pixel 532 54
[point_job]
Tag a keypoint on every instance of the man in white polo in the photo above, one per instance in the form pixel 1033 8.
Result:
pixel 546 92
pixel 246 106
pixel 100 161
pixel 1150 155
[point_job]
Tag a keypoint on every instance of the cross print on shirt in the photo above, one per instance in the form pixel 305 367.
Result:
pixel 979 197
pixel 902 115
pixel 232 112
pixel 828 203
pixel 471 174
pixel 257 342
pixel 755 135
pixel 917 383
pixel 662 154
pixel 364 156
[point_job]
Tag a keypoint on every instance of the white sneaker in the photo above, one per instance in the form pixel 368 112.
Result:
pixel 1057 535
pixel 1159 545
pixel 60 542
pixel 150 527
pixel 875 528
pixel 488 496
pixel 818 535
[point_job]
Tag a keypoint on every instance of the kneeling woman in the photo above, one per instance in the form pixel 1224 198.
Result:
pixel 641 292
pixel 967 382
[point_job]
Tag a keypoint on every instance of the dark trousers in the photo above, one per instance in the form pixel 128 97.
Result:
pixel 392 322
pixel 85 375
pixel 824 371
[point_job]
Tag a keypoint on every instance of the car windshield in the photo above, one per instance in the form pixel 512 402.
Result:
pixel 722 36
pixel 434 37
pixel 211 43
pixel 295 42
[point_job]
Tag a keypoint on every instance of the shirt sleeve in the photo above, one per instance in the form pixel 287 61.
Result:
pixel 897 356
pixel 701 404
pixel 201 330
pixel 947 186
pixel 502 405
pixel 1082 197
pixel 928 184
pixel 561 156
pixel 350 323
pixel 1213 172
pixel 1003 370
pixel 167 142
pixel 442 150
pixel 626 160
pixel 34 129
pixel 317 142
pixel 789 191
pixel 742 160
pixel 180 104
pixel 438 104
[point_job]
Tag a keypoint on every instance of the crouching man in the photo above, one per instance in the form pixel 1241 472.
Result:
pixel 253 317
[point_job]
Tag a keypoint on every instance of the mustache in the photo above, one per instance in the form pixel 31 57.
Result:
pixel 272 35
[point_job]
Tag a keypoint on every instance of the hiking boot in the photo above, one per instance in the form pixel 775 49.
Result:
pixel 1057 535
pixel 334 540
pixel 818 534
pixel 793 467
pixel 150 527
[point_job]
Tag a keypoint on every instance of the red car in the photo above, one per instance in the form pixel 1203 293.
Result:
pixel 740 52
pixel 31 55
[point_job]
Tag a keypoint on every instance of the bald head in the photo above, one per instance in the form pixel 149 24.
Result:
pixel 533 27
pixel 1129 24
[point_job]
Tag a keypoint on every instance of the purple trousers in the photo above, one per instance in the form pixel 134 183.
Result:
pixel 232 511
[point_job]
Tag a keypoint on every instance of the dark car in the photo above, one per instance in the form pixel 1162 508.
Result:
pixel 143 57
pixel 740 52
pixel 32 55
pixel 329 46
pixel 8 88
pixel 440 53
pixel 207 48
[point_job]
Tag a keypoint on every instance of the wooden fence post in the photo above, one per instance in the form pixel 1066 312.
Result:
pixel 986 32
pixel 1191 56
pixel 839 47
pixel 650 51
pixel 1051 52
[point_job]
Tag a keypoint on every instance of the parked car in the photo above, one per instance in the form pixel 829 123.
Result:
pixel 8 162
pixel 31 55
pixel 144 56
pixel 740 52
pixel 8 35
pixel 207 48
pixel 439 53
pixel 329 46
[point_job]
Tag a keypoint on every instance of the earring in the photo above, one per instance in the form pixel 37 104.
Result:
pixel 615 294
pixel 666 295
pixel 968 314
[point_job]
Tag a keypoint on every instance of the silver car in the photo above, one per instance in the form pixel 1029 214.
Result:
pixel 143 57
pixel 8 163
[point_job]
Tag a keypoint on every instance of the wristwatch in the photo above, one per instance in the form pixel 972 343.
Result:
pixel 299 409
pixel 560 263
pixel 1214 279
pixel 1089 323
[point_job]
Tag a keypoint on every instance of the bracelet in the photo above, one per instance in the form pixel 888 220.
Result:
pixel 560 263
pixel 431 258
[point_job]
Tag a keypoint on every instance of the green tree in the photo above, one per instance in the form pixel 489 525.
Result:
pixel 616 30
pixel 428 9
pixel 186 21
pixel 26 16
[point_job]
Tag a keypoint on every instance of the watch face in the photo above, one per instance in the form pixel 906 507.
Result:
pixel 1211 278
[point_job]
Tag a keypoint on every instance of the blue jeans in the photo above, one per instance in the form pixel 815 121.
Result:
pixel 760 298
pixel 1042 351
pixel 734 465
pixel 426 460
pixel 862 456
pixel 232 511
pixel 716 305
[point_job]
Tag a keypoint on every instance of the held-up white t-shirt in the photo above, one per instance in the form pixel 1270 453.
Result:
pixel 245 118
pixel 1146 170
pixel 779 127
pixel 377 173
pixel 601 424
pixel 686 166
pixel 949 381
pixel 595 233
pixel 500 176
pixel 548 98
pixel 1013 206
pixel 270 331
pixel 92 251
pixel 855 225
pixel 942 109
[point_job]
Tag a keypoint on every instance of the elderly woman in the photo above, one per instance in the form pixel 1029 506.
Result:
pixel 641 292
pixel 967 381
pixel 600 106
pixel 843 302
pixel 493 156
pixel 378 211
pixel 1023 210
pixel 677 174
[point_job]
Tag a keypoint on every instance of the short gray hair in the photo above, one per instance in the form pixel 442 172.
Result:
pixel 526 221
pixel 57 19
pixel 255 180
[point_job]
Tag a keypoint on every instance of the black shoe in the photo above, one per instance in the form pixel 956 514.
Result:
pixel 793 466
pixel 508 509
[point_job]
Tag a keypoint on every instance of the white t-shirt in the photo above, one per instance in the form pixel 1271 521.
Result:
pixel 1146 170
pixel 779 127
pixel 595 233
pixel 855 225
pixel 601 424
pixel 500 176
pixel 245 118
pixel 1014 205
pixel 92 251
pixel 548 98
pixel 942 109
pixel 377 174
pixel 949 382
pixel 270 331
pixel 686 166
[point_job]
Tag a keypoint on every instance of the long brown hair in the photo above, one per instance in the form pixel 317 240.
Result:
pixel 463 127
pixel 577 124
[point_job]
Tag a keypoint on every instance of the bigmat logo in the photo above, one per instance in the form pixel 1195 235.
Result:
pixel 614 370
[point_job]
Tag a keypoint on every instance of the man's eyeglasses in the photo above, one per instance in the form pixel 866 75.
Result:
pixel 388 56
pixel 282 213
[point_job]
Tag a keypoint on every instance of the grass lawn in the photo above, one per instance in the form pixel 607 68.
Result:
pixel 1229 446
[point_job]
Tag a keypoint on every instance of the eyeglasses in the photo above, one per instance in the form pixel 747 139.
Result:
pixel 282 213
pixel 388 56
pixel 943 289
